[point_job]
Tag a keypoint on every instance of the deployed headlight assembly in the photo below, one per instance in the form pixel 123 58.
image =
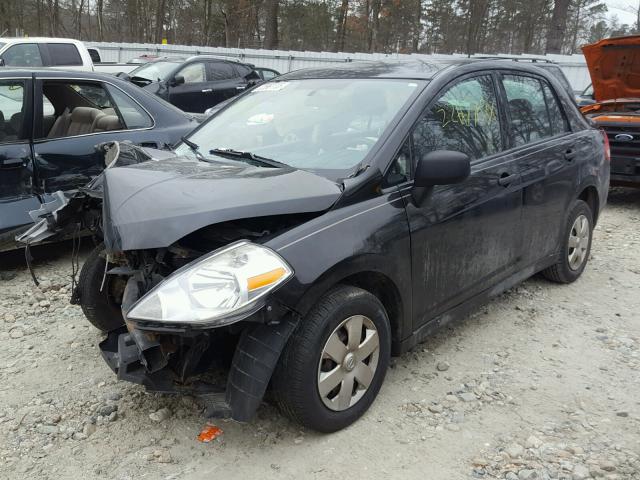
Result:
pixel 215 289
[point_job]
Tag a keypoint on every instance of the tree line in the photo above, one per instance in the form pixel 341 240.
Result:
pixel 389 26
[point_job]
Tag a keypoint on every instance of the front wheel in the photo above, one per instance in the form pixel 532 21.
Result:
pixel 99 295
pixel 576 245
pixel 335 362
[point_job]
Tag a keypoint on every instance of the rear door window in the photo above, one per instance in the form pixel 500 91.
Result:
pixel 464 119
pixel 559 122
pixel 134 115
pixel 64 54
pixel 12 102
pixel 23 55
pixel 221 71
pixel 531 117
pixel 95 55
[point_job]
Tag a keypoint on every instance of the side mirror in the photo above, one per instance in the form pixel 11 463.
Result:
pixel 177 80
pixel 442 167
pixel 1 62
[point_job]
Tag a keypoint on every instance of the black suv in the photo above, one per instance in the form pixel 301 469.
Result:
pixel 329 219
pixel 195 83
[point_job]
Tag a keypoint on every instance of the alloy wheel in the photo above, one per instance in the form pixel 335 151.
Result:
pixel 578 242
pixel 348 362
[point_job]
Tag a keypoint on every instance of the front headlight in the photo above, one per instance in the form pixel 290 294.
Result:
pixel 215 289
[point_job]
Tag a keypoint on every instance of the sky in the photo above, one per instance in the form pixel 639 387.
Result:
pixel 620 8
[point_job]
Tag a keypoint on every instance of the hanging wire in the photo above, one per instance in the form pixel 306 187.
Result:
pixel 75 254
pixel 27 257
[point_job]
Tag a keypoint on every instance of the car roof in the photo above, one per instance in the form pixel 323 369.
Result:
pixel 183 59
pixel 39 40
pixel 414 69
pixel 55 73
pixel 516 59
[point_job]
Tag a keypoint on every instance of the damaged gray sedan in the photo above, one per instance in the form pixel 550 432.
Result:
pixel 324 221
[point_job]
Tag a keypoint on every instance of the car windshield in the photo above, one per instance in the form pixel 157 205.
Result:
pixel 154 70
pixel 319 124
pixel 588 92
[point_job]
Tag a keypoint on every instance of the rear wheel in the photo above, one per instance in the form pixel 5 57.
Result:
pixel 100 303
pixel 334 364
pixel 576 245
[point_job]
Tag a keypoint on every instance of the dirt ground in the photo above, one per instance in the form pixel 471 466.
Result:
pixel 542 383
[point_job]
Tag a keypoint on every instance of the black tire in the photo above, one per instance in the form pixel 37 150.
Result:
pixel 100 307
pixel 295 380
pixel 562 272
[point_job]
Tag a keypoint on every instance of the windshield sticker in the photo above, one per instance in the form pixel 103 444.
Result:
pixel 271 87
pixel 260 119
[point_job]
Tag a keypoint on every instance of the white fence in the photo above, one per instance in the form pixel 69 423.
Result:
pixel 285 61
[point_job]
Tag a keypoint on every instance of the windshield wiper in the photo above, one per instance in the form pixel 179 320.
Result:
pixel 231 153
pixel 195 148
pixel 135 78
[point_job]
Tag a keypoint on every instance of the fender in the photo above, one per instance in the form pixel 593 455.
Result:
pixel 368 271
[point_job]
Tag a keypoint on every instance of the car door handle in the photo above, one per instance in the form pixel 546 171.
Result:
pixel 207 90
pixel 507 179
pixel 241 87
pixel 570 154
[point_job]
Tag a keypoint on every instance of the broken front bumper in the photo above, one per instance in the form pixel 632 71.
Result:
pixel 254 360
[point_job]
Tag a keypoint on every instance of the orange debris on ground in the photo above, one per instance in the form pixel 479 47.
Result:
pixel 209 433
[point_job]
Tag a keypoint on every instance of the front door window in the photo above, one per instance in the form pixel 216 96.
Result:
pixel 464 119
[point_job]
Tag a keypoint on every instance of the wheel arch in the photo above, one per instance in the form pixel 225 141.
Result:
pixel 589 195
pixel 365 272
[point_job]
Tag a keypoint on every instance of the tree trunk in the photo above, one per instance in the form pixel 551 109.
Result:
pixel 160 14
pixel 231 24
pixel 417 28
pixel 557 27
pixel 79 21
pixel 100 19
pixel 477 14
pixel 271 25
pixel 375 25
pixel 341 26
pixel 576 28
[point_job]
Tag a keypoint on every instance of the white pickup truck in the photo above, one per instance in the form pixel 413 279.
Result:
pixel 63 53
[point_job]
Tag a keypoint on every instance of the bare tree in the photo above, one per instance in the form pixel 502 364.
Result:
pixel 557 26
pixel 341 26
pixel 160 16
pixel 271 24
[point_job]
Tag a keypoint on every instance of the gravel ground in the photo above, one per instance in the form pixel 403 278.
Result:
pixel 542 383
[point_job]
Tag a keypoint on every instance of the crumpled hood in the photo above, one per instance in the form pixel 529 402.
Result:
pixel 155 203
pixel 614 66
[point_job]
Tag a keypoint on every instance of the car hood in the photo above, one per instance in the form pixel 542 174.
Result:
pixel 614 66
pixel 155 203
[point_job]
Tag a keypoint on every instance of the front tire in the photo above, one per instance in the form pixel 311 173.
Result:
pixel 576 245
pixel 334 364
pixel 99 305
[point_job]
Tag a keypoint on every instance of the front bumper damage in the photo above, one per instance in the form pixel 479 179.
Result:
pixel 145 244
pixel 138 356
